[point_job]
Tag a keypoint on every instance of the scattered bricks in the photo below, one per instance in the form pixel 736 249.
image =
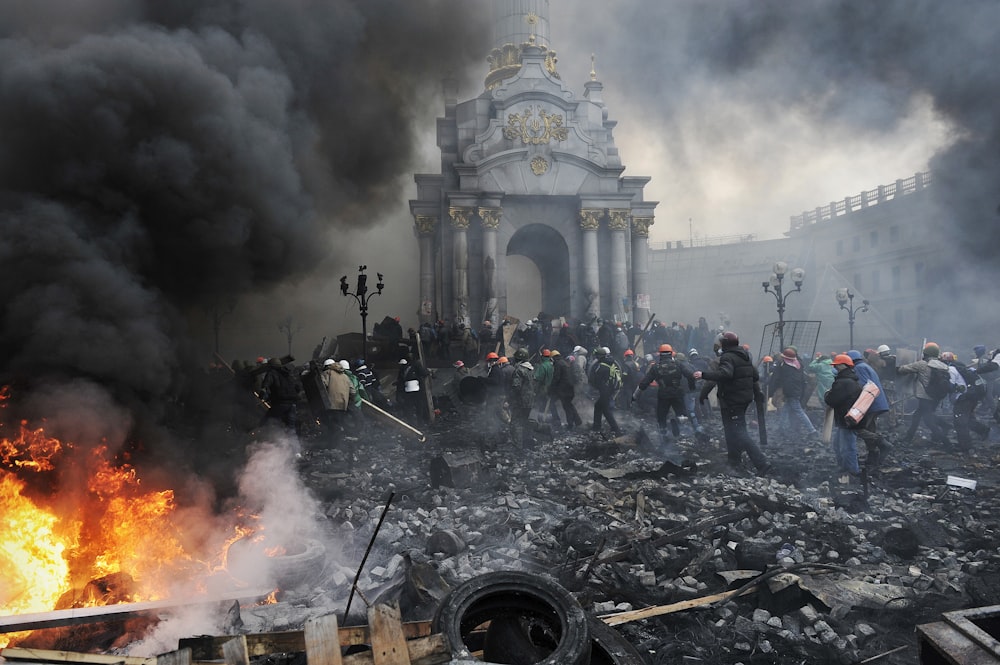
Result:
pixel 828 636
pixel 765 646
pixel 833 555
pixel 775 622
pixel 647 578
pixel 760 616
pixel 821 626
pixel 724 613
pixel 809 614
pixel 864 631
pixel 604 607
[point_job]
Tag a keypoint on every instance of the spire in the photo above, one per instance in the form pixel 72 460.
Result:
pixel 518 24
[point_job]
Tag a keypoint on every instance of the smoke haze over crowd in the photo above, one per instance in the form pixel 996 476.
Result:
pixel 175 162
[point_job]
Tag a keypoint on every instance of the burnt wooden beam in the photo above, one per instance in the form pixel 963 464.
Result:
pixel 77 615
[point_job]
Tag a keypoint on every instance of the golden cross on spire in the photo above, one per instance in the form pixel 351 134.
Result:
pixel 532 20
pixel 593 67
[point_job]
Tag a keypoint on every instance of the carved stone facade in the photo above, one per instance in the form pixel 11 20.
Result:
pixel 529 168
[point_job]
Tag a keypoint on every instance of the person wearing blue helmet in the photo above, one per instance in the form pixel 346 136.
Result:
pixel 876 444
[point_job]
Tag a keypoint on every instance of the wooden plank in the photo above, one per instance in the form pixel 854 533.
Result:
pixel 55 656
pixel 322 641
pixel 431 650
pixel 19 622
pixel 235 651
pixel 178 657
pixel 660 610
pixel 388 640
pixel 290 641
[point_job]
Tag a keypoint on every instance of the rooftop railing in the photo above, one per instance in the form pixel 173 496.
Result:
pixel 861 201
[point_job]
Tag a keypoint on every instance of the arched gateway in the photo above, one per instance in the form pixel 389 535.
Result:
pixel 528 168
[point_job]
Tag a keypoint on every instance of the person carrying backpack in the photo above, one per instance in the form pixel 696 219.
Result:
pixel 971 390
pixel 606 378
pixel 673 379
pixel 932 385
pixel 280 389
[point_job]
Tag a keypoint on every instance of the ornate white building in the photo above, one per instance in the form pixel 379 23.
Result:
pixel 529 168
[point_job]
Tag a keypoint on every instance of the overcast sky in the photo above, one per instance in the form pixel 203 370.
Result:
pixel 172 160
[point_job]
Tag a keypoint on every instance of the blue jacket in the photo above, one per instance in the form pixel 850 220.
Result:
pixel 865 374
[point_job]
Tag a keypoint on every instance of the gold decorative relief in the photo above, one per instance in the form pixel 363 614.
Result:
pixel 460 217
pixel 490 217
pixel 539 165
pixel 535 128
pixel 425 224
pixel 618 219
pixel 640 226
pixel 590 218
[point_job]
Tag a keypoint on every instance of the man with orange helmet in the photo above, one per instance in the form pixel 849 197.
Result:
pixel 671 377
pixel 841 397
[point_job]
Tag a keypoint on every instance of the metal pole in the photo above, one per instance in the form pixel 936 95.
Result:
pixel 364 332
pixel 781 315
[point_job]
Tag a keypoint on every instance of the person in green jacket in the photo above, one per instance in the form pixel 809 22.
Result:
pixel 543 379
pixel 822 367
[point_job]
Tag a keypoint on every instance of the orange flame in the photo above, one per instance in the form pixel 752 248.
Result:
pixel 54 543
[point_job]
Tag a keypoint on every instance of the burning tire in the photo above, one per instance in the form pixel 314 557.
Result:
pixel 248 561
pixel 608 647
pixel 532 619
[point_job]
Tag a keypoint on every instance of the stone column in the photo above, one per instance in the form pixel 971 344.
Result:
pixel 425 226
pixel 491 222
pixel 640 269
pixel 590 220
pixel 460 259
pixel 618 223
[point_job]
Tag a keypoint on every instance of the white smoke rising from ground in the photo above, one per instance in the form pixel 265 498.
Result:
pixel 286 515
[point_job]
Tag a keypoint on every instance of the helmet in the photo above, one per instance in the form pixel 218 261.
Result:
pixel 345 365
pixel 855 355
pixel 729 340
pixel 629 352
pixel 692 352
pixel 599 352
pixel 948 357
pixel 521 354
pixel 932 350
pixel 546 353
pixel 768 359
pixel 605 350
pixel 458 364
pixel 883 349
pixel 402 361
pixel 492 355
pixel 261 359
pixel 555 353
pixel 666 348
pixel 843 359
pixel 979 350
pixel 328 362
pixel 503 360
pixel 360 362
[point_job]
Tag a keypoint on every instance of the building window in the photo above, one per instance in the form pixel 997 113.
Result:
pixel 893 234
pixel 856 242
pixel 897 279
pixel 875 281
pixel 840 247
pixel 873 237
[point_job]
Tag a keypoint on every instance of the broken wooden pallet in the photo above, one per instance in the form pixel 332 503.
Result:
pixel 391 642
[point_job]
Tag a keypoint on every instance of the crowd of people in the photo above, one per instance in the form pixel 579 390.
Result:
pixel 519 376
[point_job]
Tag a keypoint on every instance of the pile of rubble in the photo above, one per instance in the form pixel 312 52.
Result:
pixel 859 567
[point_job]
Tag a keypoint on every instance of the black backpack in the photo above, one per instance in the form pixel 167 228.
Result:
pixel 938 383
pixel 975 385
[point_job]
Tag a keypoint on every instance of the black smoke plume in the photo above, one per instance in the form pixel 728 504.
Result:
pixel 160 157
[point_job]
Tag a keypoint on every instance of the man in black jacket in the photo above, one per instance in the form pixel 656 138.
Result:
pixel 738 385
pixel 561 389
pixel 672 380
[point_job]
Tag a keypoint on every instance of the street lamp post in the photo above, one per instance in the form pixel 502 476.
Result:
pixel 362 295
pixel 846 301
pixel 774 287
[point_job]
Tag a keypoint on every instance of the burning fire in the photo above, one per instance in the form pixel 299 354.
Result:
pixel 60 536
